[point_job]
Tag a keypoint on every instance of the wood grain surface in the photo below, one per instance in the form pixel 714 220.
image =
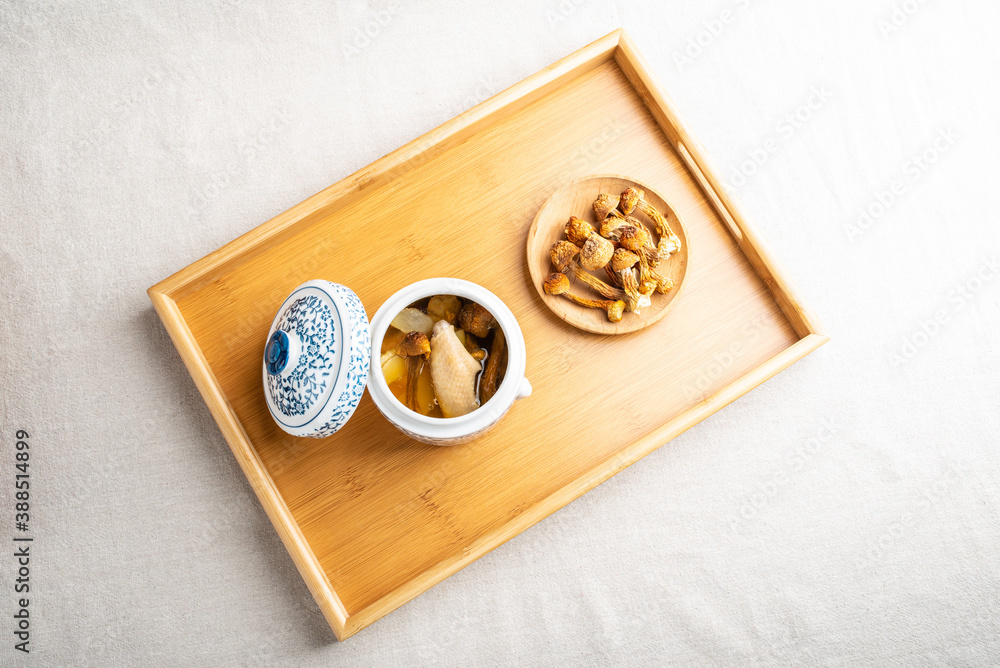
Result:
pixel 373 518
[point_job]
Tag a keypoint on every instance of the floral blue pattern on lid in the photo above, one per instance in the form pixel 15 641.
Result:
pixel 308 376
pixel 316 359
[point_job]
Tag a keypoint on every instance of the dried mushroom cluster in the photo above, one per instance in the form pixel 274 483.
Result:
pixel 622 247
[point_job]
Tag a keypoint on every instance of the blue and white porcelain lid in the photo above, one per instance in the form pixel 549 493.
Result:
pixel 316 359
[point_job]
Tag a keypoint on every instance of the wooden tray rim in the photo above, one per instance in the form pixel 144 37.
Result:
pixel 615 46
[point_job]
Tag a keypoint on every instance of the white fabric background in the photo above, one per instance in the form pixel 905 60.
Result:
pixel 136 138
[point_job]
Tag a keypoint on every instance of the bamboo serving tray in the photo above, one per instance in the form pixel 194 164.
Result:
pixel 372 518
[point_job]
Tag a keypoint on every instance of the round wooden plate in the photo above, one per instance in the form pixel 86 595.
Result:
pixel 576 199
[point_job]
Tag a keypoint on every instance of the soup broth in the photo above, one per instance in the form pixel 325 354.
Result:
pixel 431 368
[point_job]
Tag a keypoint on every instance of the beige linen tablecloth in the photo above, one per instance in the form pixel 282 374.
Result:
pixel 845 513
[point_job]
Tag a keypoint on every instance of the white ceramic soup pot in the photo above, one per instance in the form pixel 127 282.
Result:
pixel 449 431
pixel 321 351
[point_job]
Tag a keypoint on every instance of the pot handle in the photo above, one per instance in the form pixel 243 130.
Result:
pixel 524 389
